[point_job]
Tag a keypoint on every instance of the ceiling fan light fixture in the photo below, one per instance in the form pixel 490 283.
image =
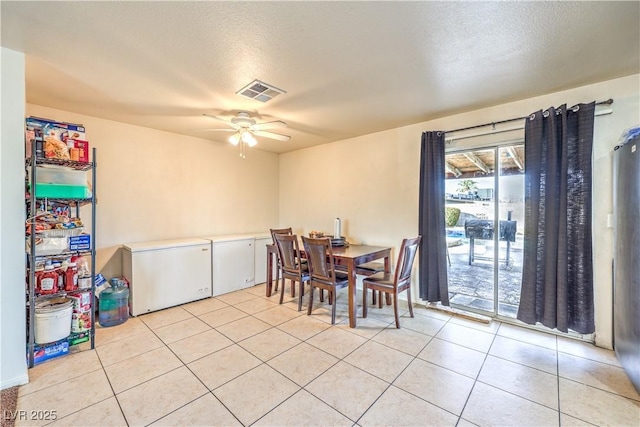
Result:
pixel 235 138
pixel 248 139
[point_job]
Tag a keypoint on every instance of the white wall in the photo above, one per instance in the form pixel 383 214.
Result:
pixel 13 365
pixel 150 185
pixel 155 185
pixel 371 182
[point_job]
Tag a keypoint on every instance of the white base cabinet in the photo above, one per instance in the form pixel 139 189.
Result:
pixel 167 273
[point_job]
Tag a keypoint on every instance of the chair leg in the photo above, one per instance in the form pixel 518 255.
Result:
pixel 395 308
pixel 373 296
pixel 321 295
pixel 409 301
pixel 293 289
pixel 311 290
pixel 300 294
pixel 332 297
pixel 275 288
pixel 365 290
pixel 380 300
pixel 282 292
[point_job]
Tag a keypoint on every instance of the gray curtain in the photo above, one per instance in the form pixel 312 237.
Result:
pixel 557 278
pixel 433 248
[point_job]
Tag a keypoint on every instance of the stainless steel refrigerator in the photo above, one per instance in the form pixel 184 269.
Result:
pixel 626 206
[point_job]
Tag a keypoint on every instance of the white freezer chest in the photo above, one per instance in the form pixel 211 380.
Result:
pixel 167 273
pixel 232 265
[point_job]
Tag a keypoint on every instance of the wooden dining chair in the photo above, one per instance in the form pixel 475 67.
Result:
pixel 399 282
pixel 292 266
pixel 275 231
pixel 322 271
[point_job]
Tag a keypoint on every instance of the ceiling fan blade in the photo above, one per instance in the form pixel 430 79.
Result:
pixel 215 130
pixel 272 135
pixel 269 125
pixel 218 118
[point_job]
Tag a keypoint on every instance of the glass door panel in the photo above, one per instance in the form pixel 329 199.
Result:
pixel 484 214
pixel 470 216
pixel 511 214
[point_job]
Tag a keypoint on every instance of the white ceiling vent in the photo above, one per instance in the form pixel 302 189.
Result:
pixel 260 91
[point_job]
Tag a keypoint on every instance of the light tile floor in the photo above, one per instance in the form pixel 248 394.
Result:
pixel 243 359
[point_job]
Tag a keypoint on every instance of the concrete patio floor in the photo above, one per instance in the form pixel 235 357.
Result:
pixel 472 285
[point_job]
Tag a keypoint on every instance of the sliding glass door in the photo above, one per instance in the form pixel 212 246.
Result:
pixel 484 214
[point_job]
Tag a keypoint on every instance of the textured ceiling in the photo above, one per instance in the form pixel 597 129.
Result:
pixel 349 68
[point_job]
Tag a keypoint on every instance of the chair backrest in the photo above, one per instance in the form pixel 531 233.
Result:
pixel 320 259
pixel 288 251
pixel 407 254
pixel 275 231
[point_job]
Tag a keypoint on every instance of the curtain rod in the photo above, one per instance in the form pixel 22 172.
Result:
pixel 607 102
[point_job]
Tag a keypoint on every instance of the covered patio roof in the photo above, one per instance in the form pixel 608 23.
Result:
pixel 476 164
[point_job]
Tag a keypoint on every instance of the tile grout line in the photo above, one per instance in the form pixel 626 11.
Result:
pixel 403 370
pixel 475 381
pixel 339 360
pixel 115 396
pixel 157 376
pixel 198 378
pixel 367 339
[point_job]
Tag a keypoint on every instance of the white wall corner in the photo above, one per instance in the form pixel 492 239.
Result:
pixel 13 365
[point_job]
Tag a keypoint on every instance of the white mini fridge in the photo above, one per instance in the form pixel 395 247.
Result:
pixel 166 273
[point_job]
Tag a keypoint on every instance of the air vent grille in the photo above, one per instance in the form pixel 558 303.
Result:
pixel 260 91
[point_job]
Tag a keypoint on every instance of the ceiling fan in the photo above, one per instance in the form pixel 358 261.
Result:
pixel 246 129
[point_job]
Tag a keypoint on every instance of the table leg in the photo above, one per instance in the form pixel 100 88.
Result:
pixel 269 272
pixel 351 271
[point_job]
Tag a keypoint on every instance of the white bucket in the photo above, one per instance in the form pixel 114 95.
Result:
pixel 53 319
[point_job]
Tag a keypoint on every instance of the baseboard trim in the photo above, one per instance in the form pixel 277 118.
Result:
pixel 458 313
pixel 19 380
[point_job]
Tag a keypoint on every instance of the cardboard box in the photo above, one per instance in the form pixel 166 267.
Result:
pixel 81 301
pixel 50 351
pixel 49 133
pixel 80 243
pixel 78 150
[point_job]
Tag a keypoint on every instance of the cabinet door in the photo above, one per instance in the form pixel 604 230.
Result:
pixel 232 265
pixel 167 277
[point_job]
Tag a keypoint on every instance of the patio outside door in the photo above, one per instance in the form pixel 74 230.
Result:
pixel 484 211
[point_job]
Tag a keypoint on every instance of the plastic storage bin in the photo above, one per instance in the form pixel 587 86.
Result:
pixel 62 191
pixel 53 174
pixel 114 306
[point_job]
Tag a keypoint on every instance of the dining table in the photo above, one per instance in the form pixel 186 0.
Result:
pixel 349 257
